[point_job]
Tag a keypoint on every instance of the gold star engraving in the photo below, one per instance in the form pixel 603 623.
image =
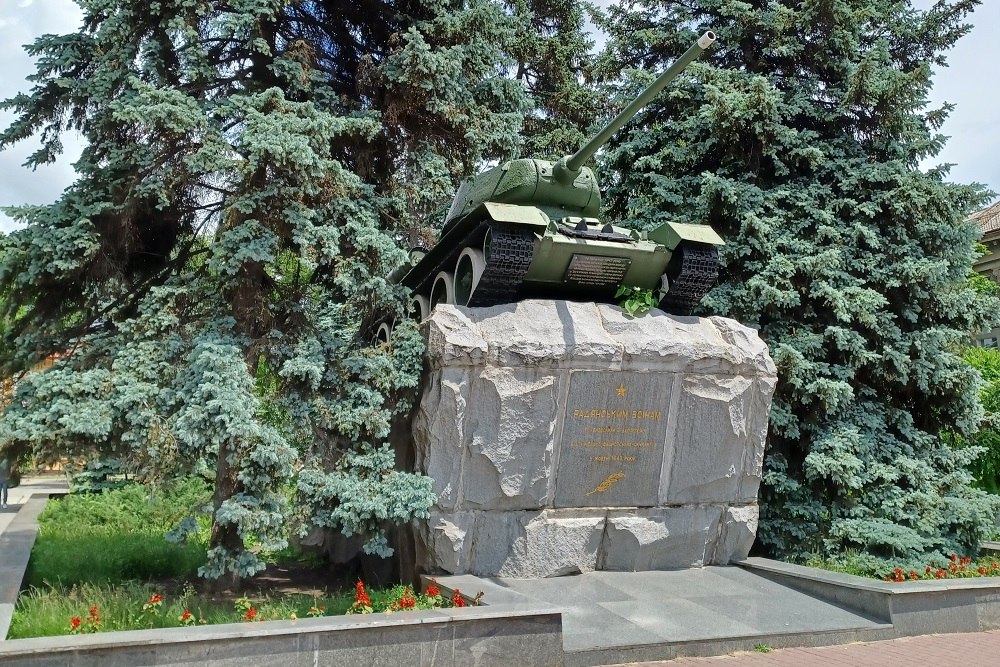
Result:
pixel 621 389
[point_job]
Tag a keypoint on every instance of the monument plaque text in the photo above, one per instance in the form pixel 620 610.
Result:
pixel 611 450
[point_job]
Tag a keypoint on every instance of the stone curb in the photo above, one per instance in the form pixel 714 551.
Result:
pixel 912 607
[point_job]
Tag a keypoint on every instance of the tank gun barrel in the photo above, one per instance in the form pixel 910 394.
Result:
pixel 574 162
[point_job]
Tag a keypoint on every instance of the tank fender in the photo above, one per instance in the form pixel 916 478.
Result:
pixel 670 234
pixel 516 213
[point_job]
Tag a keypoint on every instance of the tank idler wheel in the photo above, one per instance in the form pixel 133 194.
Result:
pixel 468 272
pixel 443 290
pixel 691 272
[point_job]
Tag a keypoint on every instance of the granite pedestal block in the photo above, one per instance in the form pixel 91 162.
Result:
pixel 566 437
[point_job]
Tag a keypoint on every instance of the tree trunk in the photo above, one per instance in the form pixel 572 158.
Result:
pixel 225 535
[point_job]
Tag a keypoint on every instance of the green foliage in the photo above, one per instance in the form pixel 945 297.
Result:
pixel 635 300
pixel 986 467
pixel 798 137
pixel 216 270
pixel 98 475
pixel 116 535
pixel 362 493
pixel 983 285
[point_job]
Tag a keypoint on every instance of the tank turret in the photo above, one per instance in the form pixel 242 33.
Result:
pixel 533 228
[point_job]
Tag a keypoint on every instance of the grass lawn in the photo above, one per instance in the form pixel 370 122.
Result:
pixel 101 562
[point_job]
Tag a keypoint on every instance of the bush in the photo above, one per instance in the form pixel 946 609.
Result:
pixel 986 468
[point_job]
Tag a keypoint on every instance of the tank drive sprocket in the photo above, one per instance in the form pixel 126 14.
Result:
pixel 692 271
pixel 507 251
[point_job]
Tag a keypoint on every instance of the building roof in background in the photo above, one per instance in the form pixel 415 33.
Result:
pixel 988 218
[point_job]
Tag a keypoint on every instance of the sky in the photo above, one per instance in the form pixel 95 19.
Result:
pixel 974 126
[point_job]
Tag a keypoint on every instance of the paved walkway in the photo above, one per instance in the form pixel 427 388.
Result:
pixel 18 528
pixel 974 649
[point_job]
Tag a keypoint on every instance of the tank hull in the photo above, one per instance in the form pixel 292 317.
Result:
pixel 501 252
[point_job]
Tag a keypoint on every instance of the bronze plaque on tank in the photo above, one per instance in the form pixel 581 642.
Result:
pixel 611 449
pixel 597 271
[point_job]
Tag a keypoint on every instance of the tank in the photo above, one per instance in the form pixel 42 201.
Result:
pixel 533 228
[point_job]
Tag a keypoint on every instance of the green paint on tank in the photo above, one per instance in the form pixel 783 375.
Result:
pixel 533 228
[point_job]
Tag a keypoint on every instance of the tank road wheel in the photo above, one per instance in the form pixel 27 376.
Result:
pixel 468 272
pixel 443 290
pixel 420 307
pixel 691 272
pixel 383 333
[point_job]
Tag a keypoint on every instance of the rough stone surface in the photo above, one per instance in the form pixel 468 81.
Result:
pixel 509 451
pixel 444 543
pixel 564 437
pixel 659 539
pixel 554 545
pixel 739 529
pixel 705 458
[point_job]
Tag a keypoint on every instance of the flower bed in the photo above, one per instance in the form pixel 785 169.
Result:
pixel 956 568
pixel 95 609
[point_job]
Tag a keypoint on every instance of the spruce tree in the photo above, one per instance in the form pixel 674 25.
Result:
pixel 799 137
pixel 251 174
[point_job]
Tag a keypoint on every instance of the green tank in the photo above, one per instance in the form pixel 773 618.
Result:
pixel 533 228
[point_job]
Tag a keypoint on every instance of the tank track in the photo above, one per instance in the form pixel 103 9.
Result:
pixel 509 256
pixel 692 271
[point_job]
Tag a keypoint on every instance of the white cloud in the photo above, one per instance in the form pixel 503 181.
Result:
pixel 17 28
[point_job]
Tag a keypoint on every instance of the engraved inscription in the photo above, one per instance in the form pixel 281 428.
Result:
pixel 596 271
pixel 611 449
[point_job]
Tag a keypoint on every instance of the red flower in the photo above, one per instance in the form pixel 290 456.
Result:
pixel 456 599
pixel 954 557
pixel 928 570
pixel 156 598
pixel 983 571
pixel 406 600
pixel 361 598
pixel 914 575
pixel 432 589
pixel 251 614
pixel 74 623
pixel 93 611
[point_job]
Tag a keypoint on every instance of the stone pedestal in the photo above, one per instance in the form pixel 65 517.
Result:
pixel 565 437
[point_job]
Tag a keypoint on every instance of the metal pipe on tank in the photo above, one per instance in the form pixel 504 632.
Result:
pixel 570 166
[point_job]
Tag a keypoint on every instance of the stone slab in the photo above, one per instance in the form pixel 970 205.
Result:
pixel 610 617
pixel 611 446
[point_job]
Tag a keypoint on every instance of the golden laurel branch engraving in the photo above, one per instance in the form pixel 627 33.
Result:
pixel 612 479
